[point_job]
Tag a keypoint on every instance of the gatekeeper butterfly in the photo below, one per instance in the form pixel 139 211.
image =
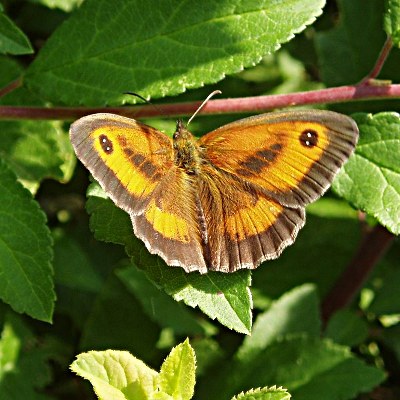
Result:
pixel 229 200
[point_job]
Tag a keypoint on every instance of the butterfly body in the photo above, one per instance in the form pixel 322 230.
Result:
pixel 230 200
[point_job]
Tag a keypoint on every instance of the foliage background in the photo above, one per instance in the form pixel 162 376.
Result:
pixel 74 278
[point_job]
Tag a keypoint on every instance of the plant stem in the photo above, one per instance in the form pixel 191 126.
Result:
pixel 10 87
pixel 370 251
pixel 218 106
pixel 379 62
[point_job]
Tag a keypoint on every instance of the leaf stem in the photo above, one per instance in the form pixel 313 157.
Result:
pixel 371 250
pixel 383 55
pixel 218 106
pixel 11 86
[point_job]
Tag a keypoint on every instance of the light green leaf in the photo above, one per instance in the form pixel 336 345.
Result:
pixel 25 251
pixel 24 367
pixel 116 375
pixel 12 39
pixel 225 297
pixel 272 393
pixel 177 375
pixel 37 150
pixel 371 178
pixel 65 5
pixel 93 58
pixel 10 345
pixel 392 20
pixel 296 311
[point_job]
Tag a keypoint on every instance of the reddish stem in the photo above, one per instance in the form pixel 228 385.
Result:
pixel 387 47
pixel 219 106
pixel 371 250
pixel 10 87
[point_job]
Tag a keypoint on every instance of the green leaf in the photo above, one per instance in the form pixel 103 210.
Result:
pixel 272 393
pixel 183 45
pixel 24 367
pixel 348 52
pixel 177 375
pixel 371 178
pixel 37 150
pixel 116 375
pixel 347 328
pixel 65 5
pixel 386 300
pixel 323 248
pixel 392 20
pixel 25 251
pixel 224 297
pixel 296 311
pixel 310 368
pixel 162 308
pixel 117 321
pixel 12 39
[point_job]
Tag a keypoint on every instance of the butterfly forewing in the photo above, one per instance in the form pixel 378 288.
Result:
pixel 292 156
pixel 127 158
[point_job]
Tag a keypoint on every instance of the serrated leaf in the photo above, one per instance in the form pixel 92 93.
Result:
pixel 371 178
pixel 183 45
pixel 296 311
pixel 116 375
pixel 310 368
pixel 37 150
pixel 25 251
pixel 272 393
pixel 12 39
pixel 177 374
pixel 392 20
pixel 224 297
pixel 162 308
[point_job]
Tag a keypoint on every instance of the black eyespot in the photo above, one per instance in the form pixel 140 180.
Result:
pixel 309 138
pixel 106 144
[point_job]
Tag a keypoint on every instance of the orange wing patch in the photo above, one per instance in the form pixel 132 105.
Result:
pixel 127 158
pixel 290 156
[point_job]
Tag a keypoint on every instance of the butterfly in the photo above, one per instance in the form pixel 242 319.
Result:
pixel 227 201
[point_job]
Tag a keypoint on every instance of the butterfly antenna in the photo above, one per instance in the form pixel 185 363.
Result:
pixel 146 101
pixel 203 104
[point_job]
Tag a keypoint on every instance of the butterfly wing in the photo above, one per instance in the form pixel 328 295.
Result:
pixel 127 158
pixel 261 172
pixel 170 224
pixel 134 164
pixel 243 225
pixel 291 156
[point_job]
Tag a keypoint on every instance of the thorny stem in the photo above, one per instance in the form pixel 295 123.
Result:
pixel 371 250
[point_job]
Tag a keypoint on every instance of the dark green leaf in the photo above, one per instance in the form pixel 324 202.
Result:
pixel 25 251
pixel 224 297
pixel 12 39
